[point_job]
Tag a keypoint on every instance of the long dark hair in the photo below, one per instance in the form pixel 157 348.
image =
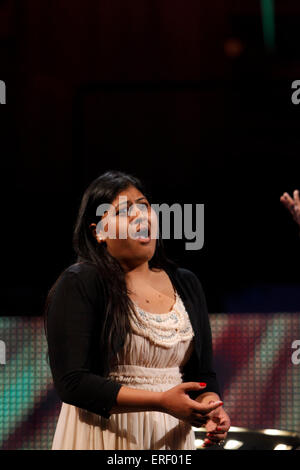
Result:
pixel 105 189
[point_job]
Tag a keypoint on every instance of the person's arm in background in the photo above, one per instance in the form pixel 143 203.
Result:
pixel 293 205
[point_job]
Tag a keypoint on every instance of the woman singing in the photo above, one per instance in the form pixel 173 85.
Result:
pixel 128 333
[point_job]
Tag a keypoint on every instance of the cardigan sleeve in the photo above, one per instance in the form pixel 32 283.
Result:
pixel 72 333
pixel 201 370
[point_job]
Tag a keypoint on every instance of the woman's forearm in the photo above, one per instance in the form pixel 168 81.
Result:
pixel 133 400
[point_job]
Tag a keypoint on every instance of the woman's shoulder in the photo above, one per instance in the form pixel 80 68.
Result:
pixel 184 274
pixel 188 282
pixel 77 285
pixel 82 269
pixel 83 276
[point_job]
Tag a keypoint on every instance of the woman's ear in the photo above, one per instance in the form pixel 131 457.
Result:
pixel 93 230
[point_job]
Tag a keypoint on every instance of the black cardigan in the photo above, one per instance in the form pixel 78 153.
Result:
pixel 73 324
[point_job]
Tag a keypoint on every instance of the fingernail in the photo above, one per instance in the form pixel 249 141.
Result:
pixel 202 384
pixel 207 441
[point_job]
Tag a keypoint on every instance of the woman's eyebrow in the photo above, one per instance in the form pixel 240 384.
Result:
pixel 139 199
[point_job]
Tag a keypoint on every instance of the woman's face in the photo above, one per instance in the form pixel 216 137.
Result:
pixel 127 218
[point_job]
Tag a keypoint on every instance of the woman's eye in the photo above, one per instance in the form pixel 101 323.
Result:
pixel 143 206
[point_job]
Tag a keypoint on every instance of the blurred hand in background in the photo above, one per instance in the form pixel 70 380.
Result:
pixel 292 204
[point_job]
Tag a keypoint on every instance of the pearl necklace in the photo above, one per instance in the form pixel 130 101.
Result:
pixel 164 329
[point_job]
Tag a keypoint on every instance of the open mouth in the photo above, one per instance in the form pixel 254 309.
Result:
pixel 143 234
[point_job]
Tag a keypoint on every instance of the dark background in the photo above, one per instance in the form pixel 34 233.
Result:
pixel 189 97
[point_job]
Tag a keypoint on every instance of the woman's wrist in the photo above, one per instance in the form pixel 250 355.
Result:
pixel 158 402
pixel 207 397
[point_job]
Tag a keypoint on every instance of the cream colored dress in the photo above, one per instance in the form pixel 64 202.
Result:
pixel 161 344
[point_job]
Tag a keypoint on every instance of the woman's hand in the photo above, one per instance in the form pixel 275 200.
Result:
pixel 177 402
pixel 292 204
pixel 217 426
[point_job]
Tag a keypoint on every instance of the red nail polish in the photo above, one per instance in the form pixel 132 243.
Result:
pixel 202 384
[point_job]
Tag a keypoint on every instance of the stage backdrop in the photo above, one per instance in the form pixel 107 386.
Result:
pixel 253 357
